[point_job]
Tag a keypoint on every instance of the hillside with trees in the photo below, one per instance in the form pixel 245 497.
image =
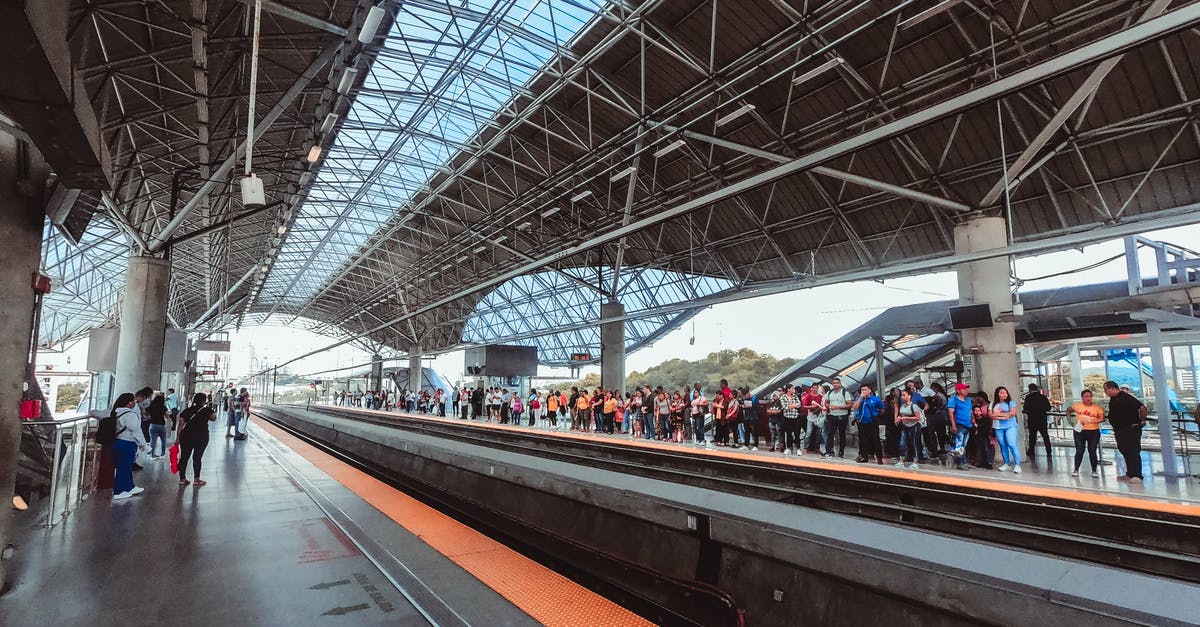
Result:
pixel 742 367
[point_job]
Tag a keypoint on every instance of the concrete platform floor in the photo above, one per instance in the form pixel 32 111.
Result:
pixel 271 540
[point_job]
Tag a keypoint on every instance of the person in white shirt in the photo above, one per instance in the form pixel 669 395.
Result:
pixel 129 441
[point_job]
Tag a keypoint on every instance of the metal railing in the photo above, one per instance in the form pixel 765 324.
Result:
pixel 71 448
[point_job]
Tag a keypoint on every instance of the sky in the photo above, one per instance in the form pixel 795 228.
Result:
pixel 793 324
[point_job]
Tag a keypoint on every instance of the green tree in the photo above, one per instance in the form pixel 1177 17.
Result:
pixel 69 395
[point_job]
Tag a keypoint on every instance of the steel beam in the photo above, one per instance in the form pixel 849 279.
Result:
pixel 218 176
pixel 1077 99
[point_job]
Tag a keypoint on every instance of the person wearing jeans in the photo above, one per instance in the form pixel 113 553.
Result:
pixel 837 417
pixel 959 413
pixel 1088 417
pixel 1004 423
pixel 125 448
pixel 699 407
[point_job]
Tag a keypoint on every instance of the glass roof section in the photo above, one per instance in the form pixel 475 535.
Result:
pixel 86 279
pixel 445 70
pixel 519 308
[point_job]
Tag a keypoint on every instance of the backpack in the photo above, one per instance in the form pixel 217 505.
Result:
pixel 106 430
pixel 536 404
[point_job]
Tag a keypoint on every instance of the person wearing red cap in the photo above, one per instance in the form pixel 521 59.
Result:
pixel 959 409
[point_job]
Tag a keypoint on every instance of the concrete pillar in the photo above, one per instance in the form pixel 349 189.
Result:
pixel 376 372
pixel 987 281
pixel 1076 375
pixel 143 323
pixel 612 347
pixel 22 200
pixel 414 371
pixel 1162 400
pixel 880 374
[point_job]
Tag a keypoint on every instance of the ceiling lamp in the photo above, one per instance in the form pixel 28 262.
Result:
pixel 735 114
pixel 581 195
pixel 817 71
pixel 551 211
pixel 371 24
pixel 314 153
pixel 669 148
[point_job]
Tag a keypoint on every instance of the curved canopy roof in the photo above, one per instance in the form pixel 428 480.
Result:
pixel 510 144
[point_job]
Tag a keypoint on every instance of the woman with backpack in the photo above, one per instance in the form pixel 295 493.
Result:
pixel 193 437
pixel 124 433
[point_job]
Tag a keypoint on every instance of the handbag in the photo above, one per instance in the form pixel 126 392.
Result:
pixel 174 453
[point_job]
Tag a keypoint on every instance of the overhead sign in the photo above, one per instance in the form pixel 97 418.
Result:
pixel 581 356
pixel 216 346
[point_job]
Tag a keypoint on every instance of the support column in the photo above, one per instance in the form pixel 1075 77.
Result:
pixel 22 190
pixel 612 347
pixel 376 372
pixel 880 375
pixel 987 281
pixel 1162 399
pixel 414 371
pixel 143 323
pixel 1076 375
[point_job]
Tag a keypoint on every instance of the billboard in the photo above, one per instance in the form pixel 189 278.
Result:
pixel 501 360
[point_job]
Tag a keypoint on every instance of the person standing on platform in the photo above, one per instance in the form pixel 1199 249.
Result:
pixel 1088 417
pixel 231 420
pixel 172 406
pixel 837 417
pixel 1037 412
pixel 1004 423
pixel 1127 415
pixel 192 436
pixel 157 412
pixel 814 401
pixel 699 407
pixel 128 442
pixel 867 410
pixel 608 412
pixel 552 409
pixel 749 419
pixel 477 399
pixel 935 432
pixel 959 413
pixel 908 418
pixel 243 421
pixel 792 409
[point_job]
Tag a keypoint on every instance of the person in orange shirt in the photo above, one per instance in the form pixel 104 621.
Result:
pixel 552 409
pixel 610 411
pixel 583 405
pixel 1088 417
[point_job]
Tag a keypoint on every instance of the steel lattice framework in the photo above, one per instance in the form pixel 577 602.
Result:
pixel 491 155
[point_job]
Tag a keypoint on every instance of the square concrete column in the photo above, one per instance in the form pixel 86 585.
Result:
pixel 376 372
pixel 23 175
pixel 414 372
pixel 612 347
pixel 987 281
pixel 143 323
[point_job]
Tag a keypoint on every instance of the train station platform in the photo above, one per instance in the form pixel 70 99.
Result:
pixel 282 534
pixel 1181 495
pixel 779 543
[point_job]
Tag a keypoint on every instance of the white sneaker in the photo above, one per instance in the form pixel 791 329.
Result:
pixel 754 448
pixel 122 495
pixel 914 466
pixel 1074 473
pixel 899 464
pixel 136 490
pixel 1017 469
pixel 1095 474
pixel 1004 468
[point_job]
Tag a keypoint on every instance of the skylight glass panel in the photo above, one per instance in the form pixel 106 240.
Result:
pixel 544 300
pixel 444 72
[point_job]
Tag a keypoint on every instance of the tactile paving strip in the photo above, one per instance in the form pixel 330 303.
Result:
pixel 547 596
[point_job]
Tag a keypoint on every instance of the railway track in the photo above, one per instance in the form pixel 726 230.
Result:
pixel 1147 541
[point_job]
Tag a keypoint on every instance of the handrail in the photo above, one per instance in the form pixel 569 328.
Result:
pixel 79 426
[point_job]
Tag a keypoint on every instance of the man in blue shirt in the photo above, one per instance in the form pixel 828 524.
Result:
pixel 959 410
pixel 867 408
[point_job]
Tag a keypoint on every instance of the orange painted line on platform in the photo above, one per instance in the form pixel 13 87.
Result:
pixel 547 596
pixel 1146 503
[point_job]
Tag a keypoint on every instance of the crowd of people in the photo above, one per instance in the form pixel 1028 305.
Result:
pixel 144 424
pixel 907 426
